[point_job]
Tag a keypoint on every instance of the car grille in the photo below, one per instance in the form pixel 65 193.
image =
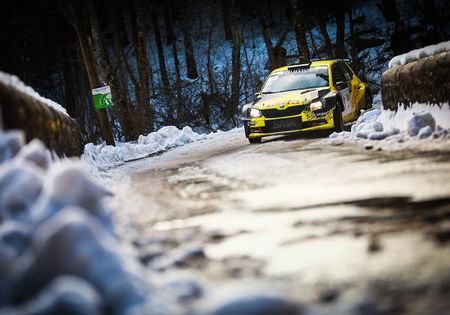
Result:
pixel 276 113
pixel 283 125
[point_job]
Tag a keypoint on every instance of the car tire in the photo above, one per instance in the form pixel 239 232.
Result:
pixel 246 129
pixel 247 133
pixel 338 120
pixel 254 140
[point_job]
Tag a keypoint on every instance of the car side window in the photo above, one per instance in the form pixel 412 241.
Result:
pixel 337 74
pixel 347 71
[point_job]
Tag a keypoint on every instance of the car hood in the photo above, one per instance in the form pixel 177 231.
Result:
pixel 297 97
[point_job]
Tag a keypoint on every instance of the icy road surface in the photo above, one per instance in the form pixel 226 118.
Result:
pixel 294 211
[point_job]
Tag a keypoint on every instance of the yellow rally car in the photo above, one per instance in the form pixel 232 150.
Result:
pixel 322 94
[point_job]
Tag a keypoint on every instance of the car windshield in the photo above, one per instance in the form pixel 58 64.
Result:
pixel 296 80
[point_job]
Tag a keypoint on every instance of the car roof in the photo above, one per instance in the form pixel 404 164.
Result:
pixel 316 63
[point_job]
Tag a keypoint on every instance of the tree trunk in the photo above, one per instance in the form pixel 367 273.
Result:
pixel 235 61
pixel 340 30
pixel 356 63
pixel 143 69
pixel 159 46
pixel 125 71
pixel 300 30
pixel 321 21
pixel 269 45
pixel 78 20
pixel 188 47
pixel 277 54
pixel 226 4
pixel 206 100
pixel 168 21
pixel 106 74
pixel 389 10
pixel 176 61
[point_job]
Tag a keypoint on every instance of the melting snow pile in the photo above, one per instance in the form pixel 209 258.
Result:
pixel 103 156
pixel 419 54
pixel 15 83
pixel 420 126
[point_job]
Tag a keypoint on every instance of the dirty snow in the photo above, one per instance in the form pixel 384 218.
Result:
pixel 14 82
pixel 104 156
pixel 420 126
pixel 417 54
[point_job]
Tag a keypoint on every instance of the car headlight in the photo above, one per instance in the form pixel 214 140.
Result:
pixel 316 105
pixel 255 113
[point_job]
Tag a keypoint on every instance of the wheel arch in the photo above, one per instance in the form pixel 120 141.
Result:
pixel 334 99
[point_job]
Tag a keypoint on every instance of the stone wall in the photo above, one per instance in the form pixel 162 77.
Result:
pixel 59 132
pixel 426 80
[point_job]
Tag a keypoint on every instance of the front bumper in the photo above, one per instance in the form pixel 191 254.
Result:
pixel 306 121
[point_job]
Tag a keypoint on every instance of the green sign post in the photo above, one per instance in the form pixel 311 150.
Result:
pixel 102 97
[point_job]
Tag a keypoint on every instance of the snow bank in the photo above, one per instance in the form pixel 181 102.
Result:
pixel 104 156
pixel 419 53
pixel 52 214
pixel 15 83
pixel 419 126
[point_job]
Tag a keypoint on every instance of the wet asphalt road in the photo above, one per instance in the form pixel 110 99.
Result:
pixel 332 226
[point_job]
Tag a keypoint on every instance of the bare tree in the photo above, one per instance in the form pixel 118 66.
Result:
pixel 168 21
pixel 106 74
pixel 340 29
pixel 276 53
pixel 322 22
pixel 143 67
pixel 235 59
pixel 191 65
pixel 300 30
pixel 226 19
pixel 73 13
pixel 160 49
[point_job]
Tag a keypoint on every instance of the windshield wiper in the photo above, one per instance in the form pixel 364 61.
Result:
pixel 281 91
pixel 270 92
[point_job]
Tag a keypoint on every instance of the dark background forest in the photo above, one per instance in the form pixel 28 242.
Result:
pixel 194 62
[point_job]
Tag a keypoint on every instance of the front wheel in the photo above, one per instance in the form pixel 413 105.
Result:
pixel 338 120
pixel 254 140
pixel 247 134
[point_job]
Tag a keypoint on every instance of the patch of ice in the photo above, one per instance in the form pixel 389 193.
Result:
pixel 417 54
pixel 15 83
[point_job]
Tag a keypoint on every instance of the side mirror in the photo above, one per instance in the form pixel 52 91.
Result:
pixel 258 94
pixel 340 85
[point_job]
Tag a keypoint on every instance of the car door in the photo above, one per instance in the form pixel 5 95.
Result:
pixel 339 76
pixel 357 89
